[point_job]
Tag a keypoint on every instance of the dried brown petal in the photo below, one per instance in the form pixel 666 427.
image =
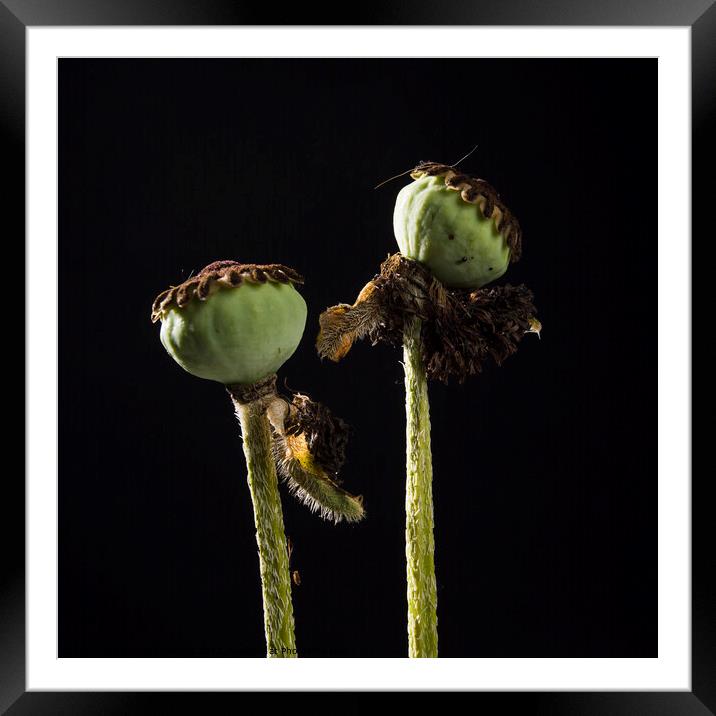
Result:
pixel 326 434
pixel 401 288
pixel 309 445
pixel 460 329
pixel 477 325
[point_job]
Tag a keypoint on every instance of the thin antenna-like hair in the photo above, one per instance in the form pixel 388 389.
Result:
pixel 407 171
pixel 397 176
pixel 459 161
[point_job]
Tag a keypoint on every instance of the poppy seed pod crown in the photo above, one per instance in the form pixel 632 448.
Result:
pixel 456 225
pixel 233 323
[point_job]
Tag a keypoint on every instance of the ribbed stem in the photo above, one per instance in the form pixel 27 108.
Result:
pixel 419 539
pixel 270 536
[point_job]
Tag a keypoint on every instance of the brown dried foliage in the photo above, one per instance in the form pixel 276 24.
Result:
pixel 309 445
pixel 460 329
pixel 326 434
pixel 473 326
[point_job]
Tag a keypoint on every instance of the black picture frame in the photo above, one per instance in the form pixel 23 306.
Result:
pixel 17 15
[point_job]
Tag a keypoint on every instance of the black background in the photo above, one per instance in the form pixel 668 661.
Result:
pixel 545 469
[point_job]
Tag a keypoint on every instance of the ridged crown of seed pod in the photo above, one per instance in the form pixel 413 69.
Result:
pixel 217 275
pixel 233 323
pixel 435 223
pixel 480 192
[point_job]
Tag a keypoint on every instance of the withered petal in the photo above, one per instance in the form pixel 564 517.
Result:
pixel 460 329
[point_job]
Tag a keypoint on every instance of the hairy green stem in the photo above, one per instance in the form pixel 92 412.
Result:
pixel 419 539
pixel 270 537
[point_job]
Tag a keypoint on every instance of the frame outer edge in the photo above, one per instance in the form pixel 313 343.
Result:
pixel 12 485
pixel 12 134
pixel 703 123
pixel 419 12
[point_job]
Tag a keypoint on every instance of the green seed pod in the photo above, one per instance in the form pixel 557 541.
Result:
pixel 233 323
pixel 455 225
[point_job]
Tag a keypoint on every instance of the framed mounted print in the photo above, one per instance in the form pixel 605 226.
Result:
pixel 363 345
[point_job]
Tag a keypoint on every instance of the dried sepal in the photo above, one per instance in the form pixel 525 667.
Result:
pixel 341 326
pixel 310 483
pixel 309 448
pixel 481 193
pixel 402 287
pixel 460 329
pixel 326 434
pixel 217 275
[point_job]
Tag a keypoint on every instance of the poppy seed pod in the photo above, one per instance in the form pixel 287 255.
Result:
pixel 233 323
pixel 455 225
pixel 455 235
pixel 237 324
